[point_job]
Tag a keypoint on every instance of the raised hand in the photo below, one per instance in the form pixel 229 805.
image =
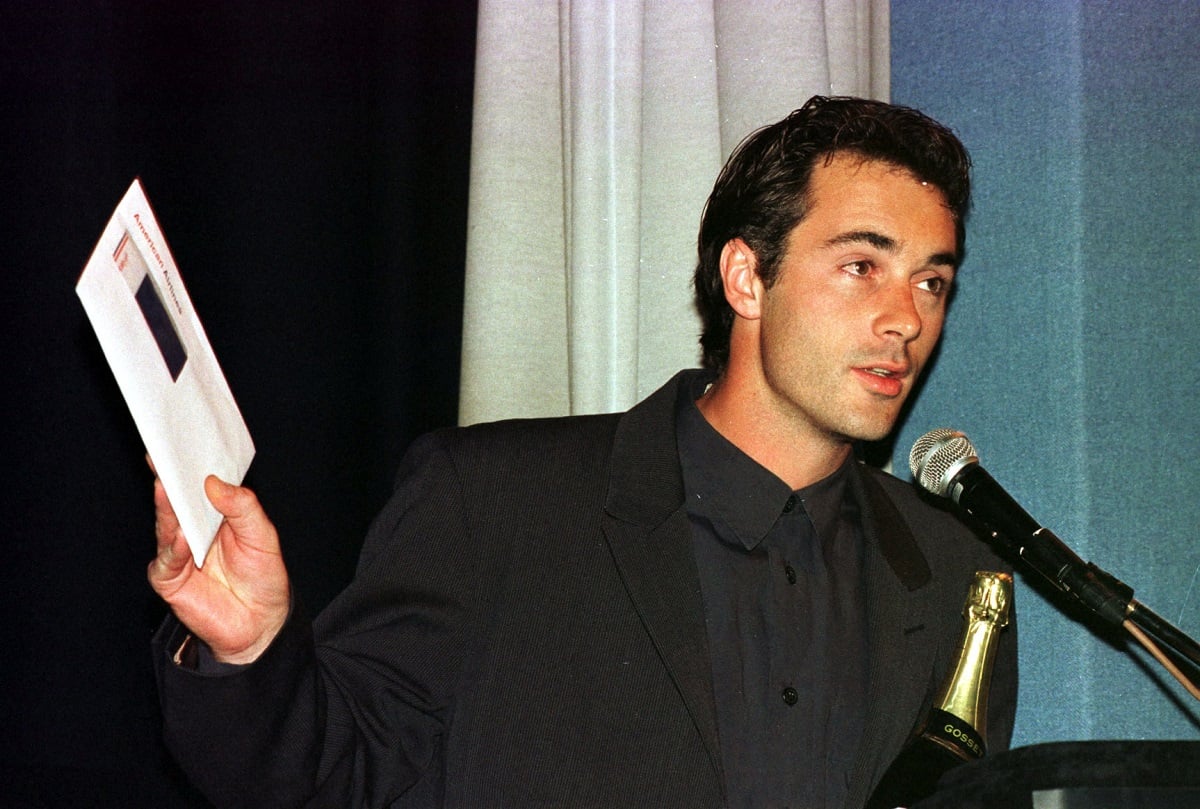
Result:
pixel 238 601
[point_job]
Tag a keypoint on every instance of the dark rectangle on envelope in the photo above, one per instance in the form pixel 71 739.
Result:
pixel 169 344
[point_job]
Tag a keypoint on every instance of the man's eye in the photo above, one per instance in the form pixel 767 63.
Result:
pixel 937 285
pixel 858 267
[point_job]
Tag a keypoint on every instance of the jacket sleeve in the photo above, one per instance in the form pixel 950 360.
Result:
pixel 347 710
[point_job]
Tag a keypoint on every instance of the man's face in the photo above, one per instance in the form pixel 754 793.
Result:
pixel 859 300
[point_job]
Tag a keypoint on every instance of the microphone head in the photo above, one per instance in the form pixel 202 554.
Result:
pixel 937 457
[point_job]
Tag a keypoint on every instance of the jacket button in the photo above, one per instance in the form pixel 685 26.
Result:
pixel 790 695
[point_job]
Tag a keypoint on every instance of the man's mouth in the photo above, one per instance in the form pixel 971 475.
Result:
pixel 886 371
pixel 887 379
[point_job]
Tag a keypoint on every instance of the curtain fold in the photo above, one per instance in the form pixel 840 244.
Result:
pixel 599 129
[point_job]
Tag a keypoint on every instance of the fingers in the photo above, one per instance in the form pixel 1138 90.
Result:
pixel 166 524
pixel 173 557
pixel 170 567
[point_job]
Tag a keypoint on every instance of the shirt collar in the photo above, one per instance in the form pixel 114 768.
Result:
pixel 739 496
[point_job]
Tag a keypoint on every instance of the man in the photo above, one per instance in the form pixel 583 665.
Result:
pixel 704 601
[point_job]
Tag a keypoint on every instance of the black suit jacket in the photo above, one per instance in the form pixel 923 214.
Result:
pixel 526 629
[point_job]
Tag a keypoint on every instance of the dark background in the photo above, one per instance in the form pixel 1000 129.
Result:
pixel 308 163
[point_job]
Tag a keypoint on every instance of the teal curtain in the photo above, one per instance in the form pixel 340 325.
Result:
pixel 1072 353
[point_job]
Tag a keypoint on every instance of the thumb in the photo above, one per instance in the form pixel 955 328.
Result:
pixel 241 510
pixel 220 494
pixel 235 503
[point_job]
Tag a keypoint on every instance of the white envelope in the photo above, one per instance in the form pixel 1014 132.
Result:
pixel 164 365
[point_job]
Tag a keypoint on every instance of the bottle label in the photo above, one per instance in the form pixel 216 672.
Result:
pixel 955 734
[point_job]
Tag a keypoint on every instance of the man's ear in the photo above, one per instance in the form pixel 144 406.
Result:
pixel 739 273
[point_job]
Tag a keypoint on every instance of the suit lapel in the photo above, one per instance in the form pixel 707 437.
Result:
pixel 659 574
pixel 899 632
pixel 650 538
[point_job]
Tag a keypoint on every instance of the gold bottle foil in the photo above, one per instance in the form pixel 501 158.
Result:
pixel 954 731
pixel 965 693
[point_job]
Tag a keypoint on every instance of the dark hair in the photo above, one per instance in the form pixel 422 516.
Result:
pixel 762 192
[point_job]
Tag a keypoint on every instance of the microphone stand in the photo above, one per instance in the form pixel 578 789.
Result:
pixel 1112 600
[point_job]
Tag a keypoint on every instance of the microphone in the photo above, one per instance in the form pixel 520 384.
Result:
pixel 944 463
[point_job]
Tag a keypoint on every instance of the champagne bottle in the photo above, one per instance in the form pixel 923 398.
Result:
pixel 955 730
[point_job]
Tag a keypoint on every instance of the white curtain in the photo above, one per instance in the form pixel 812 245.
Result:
pixel 599 128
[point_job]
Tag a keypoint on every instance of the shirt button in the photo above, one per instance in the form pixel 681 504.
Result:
pixel 790 572
pixel 790 696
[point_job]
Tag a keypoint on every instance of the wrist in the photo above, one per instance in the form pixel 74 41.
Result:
pixel 251 653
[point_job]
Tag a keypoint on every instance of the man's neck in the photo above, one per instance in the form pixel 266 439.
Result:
pixel 797 454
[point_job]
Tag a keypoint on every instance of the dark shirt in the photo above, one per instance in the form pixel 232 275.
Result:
pixel 784 600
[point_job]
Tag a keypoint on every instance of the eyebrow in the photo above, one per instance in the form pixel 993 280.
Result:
pixel 886 243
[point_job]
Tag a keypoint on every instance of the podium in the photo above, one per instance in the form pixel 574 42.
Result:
pixel 1077 775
